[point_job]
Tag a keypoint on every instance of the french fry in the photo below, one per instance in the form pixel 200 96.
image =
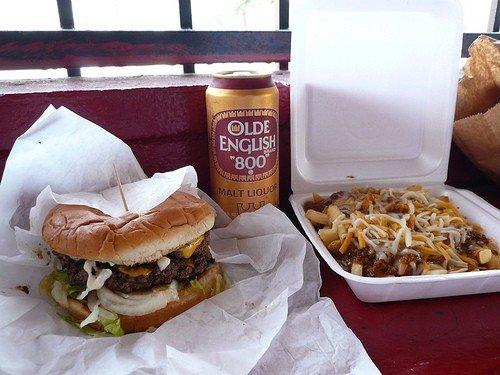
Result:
pixel 328 235
pixel 334 245
pixel 333 212
pixel 371 219
pixel 347 242
pixel 317 217
pixel 383 221
pixel 402 268
pixel 484 256
pixel 342 231
pixel 361 239
pixel 317 198
pixel 357 269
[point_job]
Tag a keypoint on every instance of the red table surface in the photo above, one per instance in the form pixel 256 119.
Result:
pixel 453 335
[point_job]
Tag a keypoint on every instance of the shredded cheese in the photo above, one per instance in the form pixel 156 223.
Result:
pixel 392 223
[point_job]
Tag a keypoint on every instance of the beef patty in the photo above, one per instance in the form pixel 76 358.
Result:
pixel 179 269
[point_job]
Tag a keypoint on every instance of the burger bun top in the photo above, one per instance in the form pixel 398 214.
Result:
pixel 133 238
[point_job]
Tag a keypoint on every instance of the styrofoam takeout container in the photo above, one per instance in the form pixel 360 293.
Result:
pixel 373 90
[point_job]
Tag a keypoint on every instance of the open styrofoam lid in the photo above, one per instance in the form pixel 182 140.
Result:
pixel 373 90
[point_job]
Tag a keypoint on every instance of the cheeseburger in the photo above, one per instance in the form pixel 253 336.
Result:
pixel 129 273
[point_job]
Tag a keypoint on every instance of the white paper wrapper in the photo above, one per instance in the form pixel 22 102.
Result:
pixel 271 321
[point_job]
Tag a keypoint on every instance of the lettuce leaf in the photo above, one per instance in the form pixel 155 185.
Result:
pixel 110 322
pixel 61 276
pixel 227 281
pixel 222 283
pixel 93 332
pixel 196 284
pixel 87 329
pixel 113 326
pixel 46 285
pixel 68 319
pixel 74 290
pixel 110 326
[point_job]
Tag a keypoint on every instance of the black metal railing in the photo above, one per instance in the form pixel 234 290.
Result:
pixel 186 22
pixel 67 22
pixel 72 49
pixel 284 23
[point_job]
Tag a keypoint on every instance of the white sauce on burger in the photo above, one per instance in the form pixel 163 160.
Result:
pixel 94 282
pixel 93 305
pixel 163 263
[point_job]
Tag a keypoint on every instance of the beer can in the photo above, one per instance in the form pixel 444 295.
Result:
pixel 242 118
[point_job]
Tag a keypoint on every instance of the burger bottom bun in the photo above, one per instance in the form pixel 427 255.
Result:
pixel 213 281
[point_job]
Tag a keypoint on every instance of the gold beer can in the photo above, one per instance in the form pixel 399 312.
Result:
pixel 242 118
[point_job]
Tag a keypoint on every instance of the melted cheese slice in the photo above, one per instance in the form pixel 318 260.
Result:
pixel 135 271
pixel 186 252
pixel 189 249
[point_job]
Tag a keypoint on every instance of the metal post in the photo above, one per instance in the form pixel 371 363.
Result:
pixel 186 19
pixel 496 24
pixel 67 23
pixel 284 10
